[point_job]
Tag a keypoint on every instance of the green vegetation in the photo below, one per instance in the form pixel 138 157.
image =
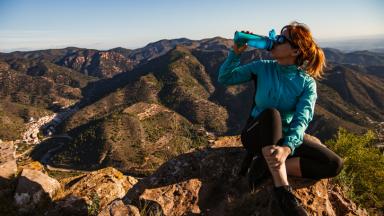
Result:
pixel 187 74
pixel 149 208
pixel 185 136
pixel 93 208
pixel 187 89
pixel 363 172
pixel 144 89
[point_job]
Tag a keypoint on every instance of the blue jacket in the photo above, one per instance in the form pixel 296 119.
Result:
pixel 287 88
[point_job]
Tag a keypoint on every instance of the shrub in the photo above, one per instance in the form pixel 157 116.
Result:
pixel 93 208
pixel 363 172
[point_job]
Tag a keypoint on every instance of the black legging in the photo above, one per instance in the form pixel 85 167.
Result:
pixel 316 160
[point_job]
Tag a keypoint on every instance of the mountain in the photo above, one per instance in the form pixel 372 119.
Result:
pixel 105 64
pixel 135 140
pixel 178 81
pixel 32 89
pixel 181 75
pixel 366 58
pixel 184 81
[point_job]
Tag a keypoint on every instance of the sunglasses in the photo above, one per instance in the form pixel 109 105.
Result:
pixel 280 39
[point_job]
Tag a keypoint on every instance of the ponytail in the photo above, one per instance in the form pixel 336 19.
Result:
pixel 316 62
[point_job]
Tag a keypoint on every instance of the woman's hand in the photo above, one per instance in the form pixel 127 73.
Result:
pixel 239 50
pixel 276 155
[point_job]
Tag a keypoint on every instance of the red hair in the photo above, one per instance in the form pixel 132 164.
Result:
pixel 311 57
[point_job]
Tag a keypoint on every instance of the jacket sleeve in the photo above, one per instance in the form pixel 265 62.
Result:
pixel 303 115
pixel 230 73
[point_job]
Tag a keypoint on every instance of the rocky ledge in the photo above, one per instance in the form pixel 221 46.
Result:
pixel 201 182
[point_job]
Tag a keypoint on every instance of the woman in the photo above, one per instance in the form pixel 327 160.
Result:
pixel 284 105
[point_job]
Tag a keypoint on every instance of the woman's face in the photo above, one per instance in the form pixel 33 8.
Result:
pixel 284 53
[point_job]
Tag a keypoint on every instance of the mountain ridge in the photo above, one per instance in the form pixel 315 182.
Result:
pixel 209 53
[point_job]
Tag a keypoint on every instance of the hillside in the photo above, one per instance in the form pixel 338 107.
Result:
pixel 181 74
pixel 136 140
pixel 186 77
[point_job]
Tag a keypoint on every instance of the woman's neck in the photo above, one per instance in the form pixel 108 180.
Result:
pixel 286 61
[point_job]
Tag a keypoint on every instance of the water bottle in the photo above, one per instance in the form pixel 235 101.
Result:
pixel 254 40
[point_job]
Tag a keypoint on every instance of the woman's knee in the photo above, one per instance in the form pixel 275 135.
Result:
pixel 271 116
pixel 272 112
pixel 336 165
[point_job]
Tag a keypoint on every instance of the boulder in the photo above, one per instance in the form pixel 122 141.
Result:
pixel 71 205
pixel 342 205
pixel 90 193
pixel 34 190
pixel 8 166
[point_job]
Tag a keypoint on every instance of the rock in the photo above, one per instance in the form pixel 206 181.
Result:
pixel 118 208
pixel 94 191
pixel 175 199
pixel 71 205
pixel 231 141
pixel 34 189
pixel 206 182
pixel 35 165
pixel 8 166
pixel 344 206
pixel 7 171
pixel 3 67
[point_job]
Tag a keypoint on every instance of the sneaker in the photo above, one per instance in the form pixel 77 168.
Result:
pixel 258 172
pixel 288 203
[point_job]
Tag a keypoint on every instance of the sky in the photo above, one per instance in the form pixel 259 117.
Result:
pixel 44 24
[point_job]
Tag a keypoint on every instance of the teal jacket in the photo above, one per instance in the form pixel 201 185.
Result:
pixel 287 88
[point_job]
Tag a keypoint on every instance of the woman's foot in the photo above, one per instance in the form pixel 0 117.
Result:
pixel 258 172
pixel 288 203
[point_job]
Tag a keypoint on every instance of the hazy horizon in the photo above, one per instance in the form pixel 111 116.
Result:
pixel 372 42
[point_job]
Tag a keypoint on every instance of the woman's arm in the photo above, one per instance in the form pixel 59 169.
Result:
pixel 231 73
pixel 303 115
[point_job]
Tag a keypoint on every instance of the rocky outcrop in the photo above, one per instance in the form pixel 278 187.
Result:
pixel 101 64
pixel 8 165
pixel 92 192
pixel 206 182
pixel 34 190
pixel 343 206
